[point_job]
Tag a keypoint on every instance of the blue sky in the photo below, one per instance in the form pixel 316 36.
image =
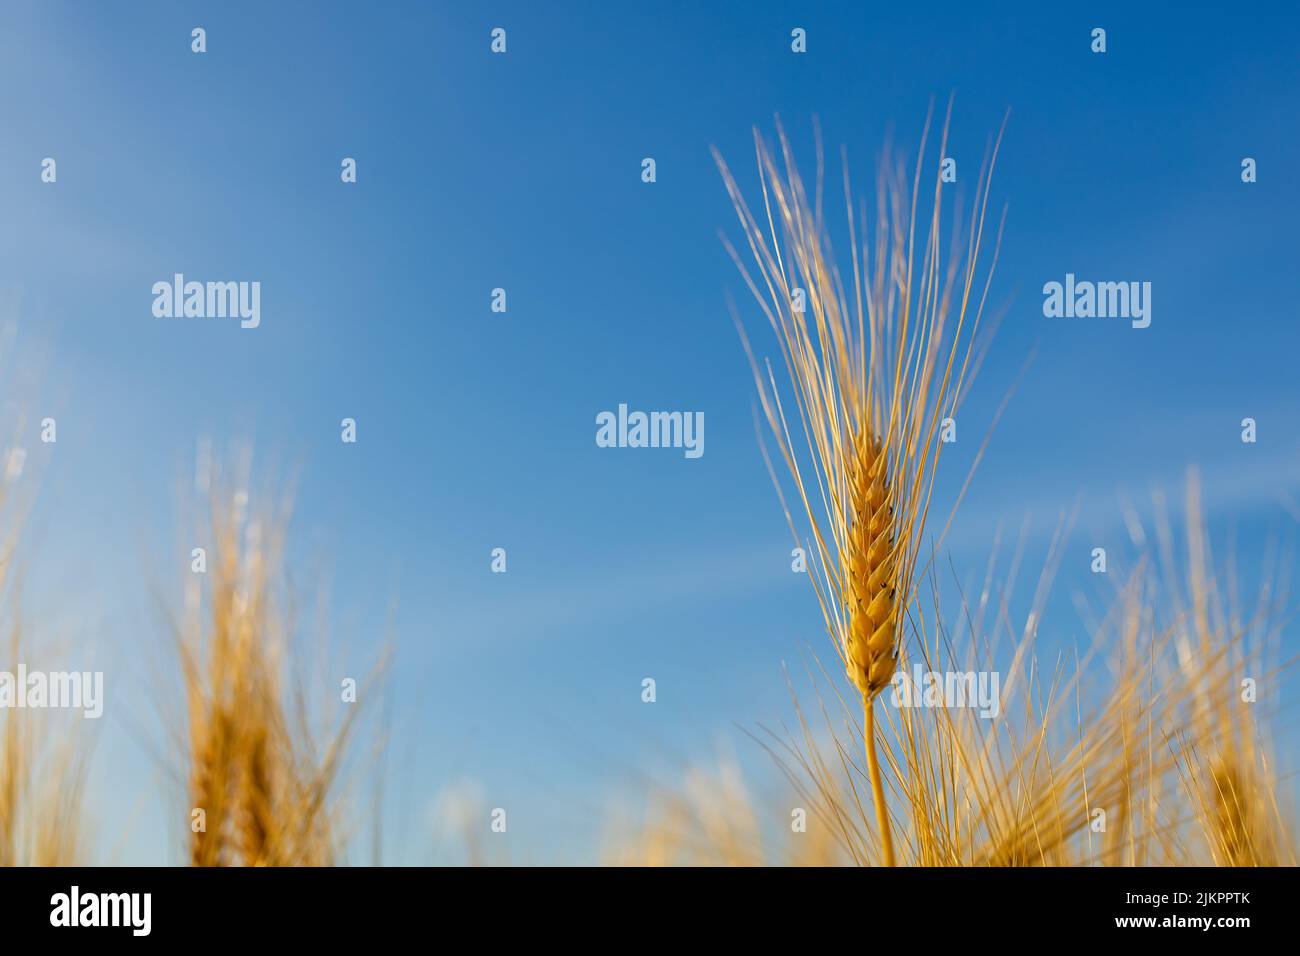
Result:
pixel 476 430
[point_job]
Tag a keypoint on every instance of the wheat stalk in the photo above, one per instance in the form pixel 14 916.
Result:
pixel 255 765
pixel 873 371
pixel 43 757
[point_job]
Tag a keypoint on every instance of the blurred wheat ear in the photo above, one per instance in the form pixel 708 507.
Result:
pixel 42 771
pixel 257 767
pixel 41 785
pixel 1229 767
pixel 874 371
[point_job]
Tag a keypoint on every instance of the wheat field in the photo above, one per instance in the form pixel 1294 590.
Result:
pixel 1139 748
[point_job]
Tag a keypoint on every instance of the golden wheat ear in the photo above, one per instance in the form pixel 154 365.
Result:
pixel 871 584
pixel 263 773
pixel 874 371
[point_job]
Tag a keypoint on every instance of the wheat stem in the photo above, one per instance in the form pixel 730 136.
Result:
pixel 877 788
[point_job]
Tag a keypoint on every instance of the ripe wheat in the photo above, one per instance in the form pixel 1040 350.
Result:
pixel 874 371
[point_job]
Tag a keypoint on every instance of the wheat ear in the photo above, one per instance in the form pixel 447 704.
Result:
pixel 874 370
pixel 871 650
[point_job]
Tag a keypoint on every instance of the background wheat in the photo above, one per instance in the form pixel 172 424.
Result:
pixel 262 777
